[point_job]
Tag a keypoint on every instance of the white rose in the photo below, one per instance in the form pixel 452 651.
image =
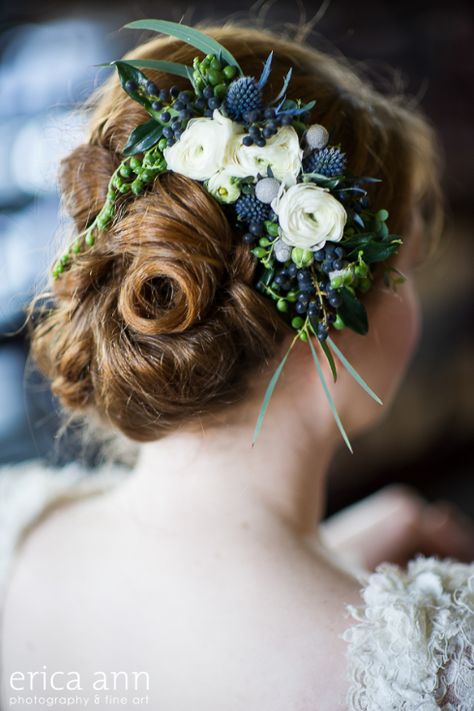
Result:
pixel 309 216
pixel 282 152
pixel 224 187
pixel 202 149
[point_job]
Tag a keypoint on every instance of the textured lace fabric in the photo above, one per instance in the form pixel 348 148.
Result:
pixel 412 647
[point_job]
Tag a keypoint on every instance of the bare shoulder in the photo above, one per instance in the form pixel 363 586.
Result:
pixel 269 620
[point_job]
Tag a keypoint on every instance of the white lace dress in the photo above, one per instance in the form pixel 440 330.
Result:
pixel 410 643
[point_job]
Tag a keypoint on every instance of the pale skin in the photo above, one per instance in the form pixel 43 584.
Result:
pixel 208 567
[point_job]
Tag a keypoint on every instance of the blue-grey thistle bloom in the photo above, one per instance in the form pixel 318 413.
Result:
pixel 328 161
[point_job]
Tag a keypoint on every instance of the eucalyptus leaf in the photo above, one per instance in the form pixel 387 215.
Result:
pixel 159 65
pixel 187 34
pixel 352 371
pixel 353 312
pixel 143 137
pixel 269 391
pixel 329 396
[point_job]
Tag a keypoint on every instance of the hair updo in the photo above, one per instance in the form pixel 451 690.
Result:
pixel 159 322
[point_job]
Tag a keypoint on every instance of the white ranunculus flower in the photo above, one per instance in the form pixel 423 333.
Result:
pixel 282 152
pixel 224 187
pixel 309 216
pixel 202 149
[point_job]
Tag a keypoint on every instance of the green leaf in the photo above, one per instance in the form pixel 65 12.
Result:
pixel 269 391
pixel 331 362
pixel 352 371
pixel 329 396
pixel 267 276
pixel 143 137
pixel 190 35
pixel 352 312
pixel 159 65
pixel 129 73
pixel 379 252
pixel 322 180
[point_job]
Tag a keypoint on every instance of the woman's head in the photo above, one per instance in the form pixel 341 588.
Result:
pixel 160 323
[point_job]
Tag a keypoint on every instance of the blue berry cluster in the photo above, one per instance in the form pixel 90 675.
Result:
pixel 263 124
pixel 307 292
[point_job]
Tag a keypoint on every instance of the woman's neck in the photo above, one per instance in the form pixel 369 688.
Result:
pixel 216 473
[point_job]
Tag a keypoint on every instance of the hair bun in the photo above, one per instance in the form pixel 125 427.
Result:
pixel 176 242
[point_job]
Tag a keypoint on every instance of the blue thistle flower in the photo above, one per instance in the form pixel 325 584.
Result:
pixel 244 94
pixel 250 209
pixel 328 161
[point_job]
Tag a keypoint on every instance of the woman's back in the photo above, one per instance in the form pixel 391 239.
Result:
pixel 245 620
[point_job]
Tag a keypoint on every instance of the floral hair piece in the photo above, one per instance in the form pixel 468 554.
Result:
pixel 305 217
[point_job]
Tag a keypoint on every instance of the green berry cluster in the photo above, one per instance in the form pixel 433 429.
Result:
pixel 132 176
pixel 212 72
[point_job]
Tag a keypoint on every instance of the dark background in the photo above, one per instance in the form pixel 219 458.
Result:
pixel 47 57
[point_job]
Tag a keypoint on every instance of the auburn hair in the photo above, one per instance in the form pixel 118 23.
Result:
pixel 159 322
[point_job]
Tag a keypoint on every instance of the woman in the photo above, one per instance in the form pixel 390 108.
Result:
pixel 205 568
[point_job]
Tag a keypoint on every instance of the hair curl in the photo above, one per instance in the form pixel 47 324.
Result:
pixel 159 322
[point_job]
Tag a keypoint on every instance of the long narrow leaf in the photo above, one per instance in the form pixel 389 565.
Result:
pixel 190 35
pixel 330 358
pixel 283 89
pixel 266 71
pixel 269 392
pixel 180 70
pixel 353 372
pixel 329 396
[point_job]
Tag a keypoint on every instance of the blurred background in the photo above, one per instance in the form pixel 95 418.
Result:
pixel 48 54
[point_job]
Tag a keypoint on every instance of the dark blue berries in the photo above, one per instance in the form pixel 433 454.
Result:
pixel 322 331
pixel 335 300
pixel 151 88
